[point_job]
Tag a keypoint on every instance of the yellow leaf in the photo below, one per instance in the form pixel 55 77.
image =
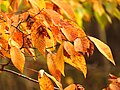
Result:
pixel 60 59
pixel 67 10
pixel 38 4
pixel 71 87
pixel 56 82
pixel 17 58
pixel 51 58
pixel 103 48
pixel 44 82
pixel 77 61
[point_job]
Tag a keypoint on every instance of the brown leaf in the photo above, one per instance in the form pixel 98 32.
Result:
pixel 60 59
pixel 51 59
pixel 103 48
pixel 44 82
pixel 38 33
pixel 67 10
pixel 17 58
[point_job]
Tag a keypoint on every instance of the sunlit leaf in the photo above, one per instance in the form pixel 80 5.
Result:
pixel 57 34
pixel 17 38
pixel 51 59
pixel 103 48
pixel 77 61
pixel 56 82
pixel 44 82
pixel 4 48
pixel 52 16
pixel 38 4
pixel 17 58
pixel 69 48
pixel 81 44
pixel 71 87
pixel 38 33
pixel 67 10
pixel 60 59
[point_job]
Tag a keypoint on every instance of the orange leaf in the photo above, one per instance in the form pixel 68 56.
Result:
pixel 69 48
pixel 57 34
pixel 4 47
pixel 38 33
pixel 51 58
pixel 52 16
pixel 67 10
pixel 44 82
pixel 71 87
pixel 17 58
pixel 69 30
pixel 60 59
pixel 103 48
pixel 81 44
pixel 17 39
pixel 77 61
pixel 56 82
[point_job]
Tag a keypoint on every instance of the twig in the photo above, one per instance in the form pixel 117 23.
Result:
pixel 23 76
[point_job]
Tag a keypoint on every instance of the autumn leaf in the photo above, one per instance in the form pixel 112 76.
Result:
pixel 57 34
pixel 56 82
pixel 103 48
pixel 50 42
pixel 44 82
pixel 77 61
pixel 51 59
pixel 17 39
pixel 17 58
pixel 71 87
pixel 52 17
pixel 38 33
pixel 40 4
pixel 69 48
pixel 81 44
pixel 60 59
pixel 67 10
pixel 4 48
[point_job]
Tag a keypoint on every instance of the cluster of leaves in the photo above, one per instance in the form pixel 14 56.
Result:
pixel 102 10
pixel 26 24
pixel 114 83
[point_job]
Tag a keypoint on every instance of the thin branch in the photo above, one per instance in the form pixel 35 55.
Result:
pixel 23 76
pixel 20 75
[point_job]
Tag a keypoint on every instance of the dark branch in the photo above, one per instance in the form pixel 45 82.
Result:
pixel 23 76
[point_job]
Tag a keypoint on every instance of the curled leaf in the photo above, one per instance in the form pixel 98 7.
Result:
pixel 103 48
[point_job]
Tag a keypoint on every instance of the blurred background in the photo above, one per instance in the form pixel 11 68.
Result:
pixel 102 22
